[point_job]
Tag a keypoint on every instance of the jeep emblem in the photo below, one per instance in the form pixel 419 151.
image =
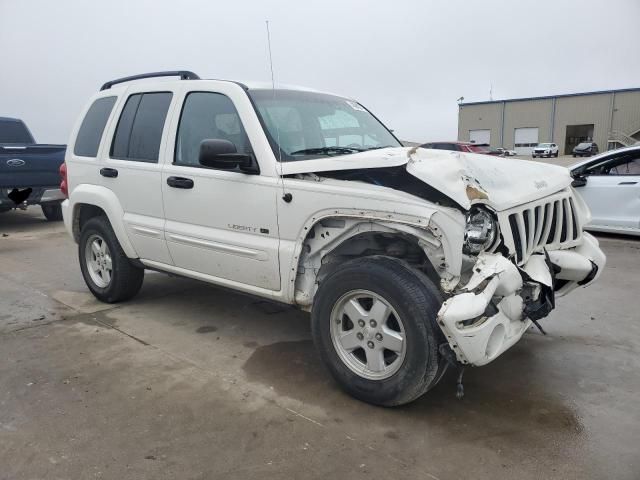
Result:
pixel 15 162
pixel 540 184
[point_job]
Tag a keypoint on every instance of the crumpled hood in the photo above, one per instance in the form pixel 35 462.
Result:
pixel 466 178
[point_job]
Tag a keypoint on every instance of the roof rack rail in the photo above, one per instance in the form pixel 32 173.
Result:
pixel 183 74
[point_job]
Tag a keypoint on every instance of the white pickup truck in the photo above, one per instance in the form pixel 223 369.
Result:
pixel 408 259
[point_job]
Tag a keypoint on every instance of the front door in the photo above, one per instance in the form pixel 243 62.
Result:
pixel 219 223
pixel 612 191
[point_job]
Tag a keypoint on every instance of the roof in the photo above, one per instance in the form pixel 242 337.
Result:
pixel 547 97
pixel 9 119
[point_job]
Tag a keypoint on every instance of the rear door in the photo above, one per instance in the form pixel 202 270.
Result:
pixel 220 223
pixel 612 191
pixel 131 167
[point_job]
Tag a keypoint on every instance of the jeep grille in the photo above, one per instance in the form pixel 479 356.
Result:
pixel 550 223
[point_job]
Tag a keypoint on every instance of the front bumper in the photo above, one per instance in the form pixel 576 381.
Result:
pixel 492 311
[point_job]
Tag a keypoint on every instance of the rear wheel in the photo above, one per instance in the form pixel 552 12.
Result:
pixel 107 271
pixel 373 322
pixel 52 212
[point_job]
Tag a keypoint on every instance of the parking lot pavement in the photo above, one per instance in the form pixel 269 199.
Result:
pixel 562 160
pixel 191 381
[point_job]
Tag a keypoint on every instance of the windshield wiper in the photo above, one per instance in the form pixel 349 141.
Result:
pixel 326 150
pixel 381 146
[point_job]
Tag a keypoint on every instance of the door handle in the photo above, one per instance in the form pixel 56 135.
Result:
pixel 180 182
pixel 627 183
pixel 109 172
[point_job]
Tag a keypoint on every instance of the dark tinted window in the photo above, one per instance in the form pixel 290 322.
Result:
pixel 90 133
pixel 207 116
pixel 139 130
pixel 14 131
pixel 444 146
pixel 120 145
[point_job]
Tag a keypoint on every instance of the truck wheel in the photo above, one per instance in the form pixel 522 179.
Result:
pixel 53 213
pixel 374 325
pixel 556 154
pixel 107 271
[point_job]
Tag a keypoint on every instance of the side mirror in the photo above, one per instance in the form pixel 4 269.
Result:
pixel 579 179
pixel 222 154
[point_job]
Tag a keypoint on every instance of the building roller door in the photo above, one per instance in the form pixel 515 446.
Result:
pixel 480 136
pixel 524 140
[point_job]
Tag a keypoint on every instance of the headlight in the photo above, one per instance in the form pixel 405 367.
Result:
pixel 480 231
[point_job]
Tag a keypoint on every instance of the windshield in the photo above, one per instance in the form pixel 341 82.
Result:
pixel 14 131
pixel 544 145
pixel 304 125
pixel 583 145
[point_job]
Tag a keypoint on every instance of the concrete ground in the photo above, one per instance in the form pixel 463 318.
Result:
pixel 191 381
pixel 562 160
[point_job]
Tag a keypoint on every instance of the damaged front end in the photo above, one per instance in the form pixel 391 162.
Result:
pixel 491 311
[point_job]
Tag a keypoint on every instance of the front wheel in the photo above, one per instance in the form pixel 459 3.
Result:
pixel 374 325
pixel 107 271
pixel 53 213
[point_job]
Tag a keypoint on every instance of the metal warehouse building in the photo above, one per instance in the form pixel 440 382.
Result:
pixel 610 118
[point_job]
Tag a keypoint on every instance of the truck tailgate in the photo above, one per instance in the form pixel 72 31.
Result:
pixel 30 165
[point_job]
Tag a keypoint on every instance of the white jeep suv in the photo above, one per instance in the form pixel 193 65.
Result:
pixel 408 259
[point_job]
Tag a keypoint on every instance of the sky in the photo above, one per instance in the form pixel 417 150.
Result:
pixel 408 61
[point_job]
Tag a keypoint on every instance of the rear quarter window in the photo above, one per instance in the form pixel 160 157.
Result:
pixel 92 128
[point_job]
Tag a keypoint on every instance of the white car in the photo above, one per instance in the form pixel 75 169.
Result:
pixel 545 150
pixel 408 259
pixel 610 185
pixel 506 152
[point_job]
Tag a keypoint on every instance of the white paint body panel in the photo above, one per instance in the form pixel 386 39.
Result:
pixel 614 200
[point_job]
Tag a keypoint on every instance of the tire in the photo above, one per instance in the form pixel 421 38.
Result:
pixel 123 280
pixel 533 156
pixel 574 155
pixel 52 212
pixel 556 154
pixel 414 303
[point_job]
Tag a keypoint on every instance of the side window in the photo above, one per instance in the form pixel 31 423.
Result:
pixel 90 133
pixel 626 166
pixel 139 131
pixel 207 115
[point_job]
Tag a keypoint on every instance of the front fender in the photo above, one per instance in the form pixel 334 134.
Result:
pixel 105 199
pixel 435 230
